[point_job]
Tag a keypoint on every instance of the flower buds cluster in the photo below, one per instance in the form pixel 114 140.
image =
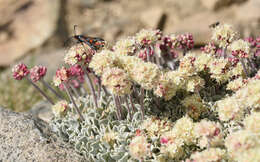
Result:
pixel 20 71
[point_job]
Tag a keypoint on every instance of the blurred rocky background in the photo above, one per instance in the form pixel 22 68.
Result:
pixel 34 31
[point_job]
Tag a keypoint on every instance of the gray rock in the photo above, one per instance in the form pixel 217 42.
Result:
pixel 42 110
pixel 25 138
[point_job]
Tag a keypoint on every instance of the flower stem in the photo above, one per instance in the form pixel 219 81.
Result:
pixel 117 108
pixel 132 103
pixel 75 91
pixel 244 67
pixel 73 101
pixel 42 93
pixel 142 103
pixel 51 89
pixel 91 88
pixel 128 107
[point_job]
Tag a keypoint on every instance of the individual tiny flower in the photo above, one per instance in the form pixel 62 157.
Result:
pixel 37 73
pixel 240 49
pixel 164 140
pixel 60 108
pixel 62 75
pixel 20 71
pixel 209 155
pixel 116 81
pixel 224 35
pixel 194 106
pixel 208 133
pixel 138 147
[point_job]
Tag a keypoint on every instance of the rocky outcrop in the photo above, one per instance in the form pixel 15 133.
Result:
pixel 25 138
pixel 25 25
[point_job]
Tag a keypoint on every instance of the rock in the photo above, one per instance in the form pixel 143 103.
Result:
pixel 42 110
pixel 25 138
pixel 25 26
pixel 249 23
pixel 219 4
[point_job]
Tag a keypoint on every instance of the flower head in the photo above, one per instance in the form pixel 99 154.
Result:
pixel 20 71
pixel 224 35
pixel 60 108
pixel 77 53
pixel 125 46
pixel 138 147
pixel 62 75
pixel 209 133
pixel 147 37
pixel 240 49
pixel 117 81
pixel 37 72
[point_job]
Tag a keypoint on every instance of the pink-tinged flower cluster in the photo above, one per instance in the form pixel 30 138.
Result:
pixel 240 49
pixel 224 35
pixel 194 106
pixel 79 53
pixel 209 134
pixel 148 37
pixel 20 71
pixel 62 75
pixel 243 145
pixel 173 141
pixel 165 87
pixel 60 108
pixel 117 81
pixel 210 48
pixel 155 127
pixel 255 44
pixel 144 53
pixel 139 147
pixel 37 73
pixel 185 41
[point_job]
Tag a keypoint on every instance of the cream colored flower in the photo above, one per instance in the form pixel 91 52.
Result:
pixel 138 147
pixel 59 109
pixel 224 35
pixel 116 81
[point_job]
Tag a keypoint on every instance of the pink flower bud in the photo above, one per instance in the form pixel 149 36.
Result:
pixel 37 72
pixel 164 140
pixel 20 71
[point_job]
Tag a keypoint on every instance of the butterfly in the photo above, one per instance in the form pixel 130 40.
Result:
pixel 94 43
pixel 214 24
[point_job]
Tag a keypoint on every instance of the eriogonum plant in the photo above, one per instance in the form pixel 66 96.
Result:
pixel 151 97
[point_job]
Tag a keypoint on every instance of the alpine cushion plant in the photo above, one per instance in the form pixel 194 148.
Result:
pixel 151 98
